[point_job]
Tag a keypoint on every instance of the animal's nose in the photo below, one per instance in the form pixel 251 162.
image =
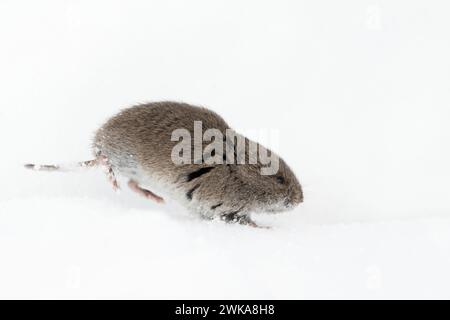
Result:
pixel 300 196
pixel 295 199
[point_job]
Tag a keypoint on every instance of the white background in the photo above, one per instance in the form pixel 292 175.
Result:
pixel 359 92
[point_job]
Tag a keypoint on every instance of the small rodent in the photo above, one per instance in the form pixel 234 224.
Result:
pixel 137 143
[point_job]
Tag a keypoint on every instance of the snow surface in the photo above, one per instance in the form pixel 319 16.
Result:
pixel 359 92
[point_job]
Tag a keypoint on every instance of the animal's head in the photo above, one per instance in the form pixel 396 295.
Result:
pixel 263 180
pixel 275 192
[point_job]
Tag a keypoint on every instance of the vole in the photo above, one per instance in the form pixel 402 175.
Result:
pixel 138 143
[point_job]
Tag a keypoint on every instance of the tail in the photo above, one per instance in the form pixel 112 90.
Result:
pixel 62 167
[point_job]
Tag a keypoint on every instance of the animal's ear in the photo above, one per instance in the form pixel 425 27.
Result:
pixel 236 147
pixel 232 168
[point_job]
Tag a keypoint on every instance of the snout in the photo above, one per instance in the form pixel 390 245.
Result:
pixel 291 203
pixel 294 198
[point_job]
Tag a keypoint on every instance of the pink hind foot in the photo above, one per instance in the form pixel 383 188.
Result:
pixel 144 192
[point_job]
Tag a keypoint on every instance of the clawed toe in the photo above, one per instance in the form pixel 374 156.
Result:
pixel 241 219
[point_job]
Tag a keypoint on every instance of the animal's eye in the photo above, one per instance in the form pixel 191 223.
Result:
pixel 280 179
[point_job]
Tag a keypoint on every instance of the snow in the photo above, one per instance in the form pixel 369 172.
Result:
pixel 357 92
pixel 79 247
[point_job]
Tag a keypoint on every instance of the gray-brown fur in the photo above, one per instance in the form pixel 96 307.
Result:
pixel 137 144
